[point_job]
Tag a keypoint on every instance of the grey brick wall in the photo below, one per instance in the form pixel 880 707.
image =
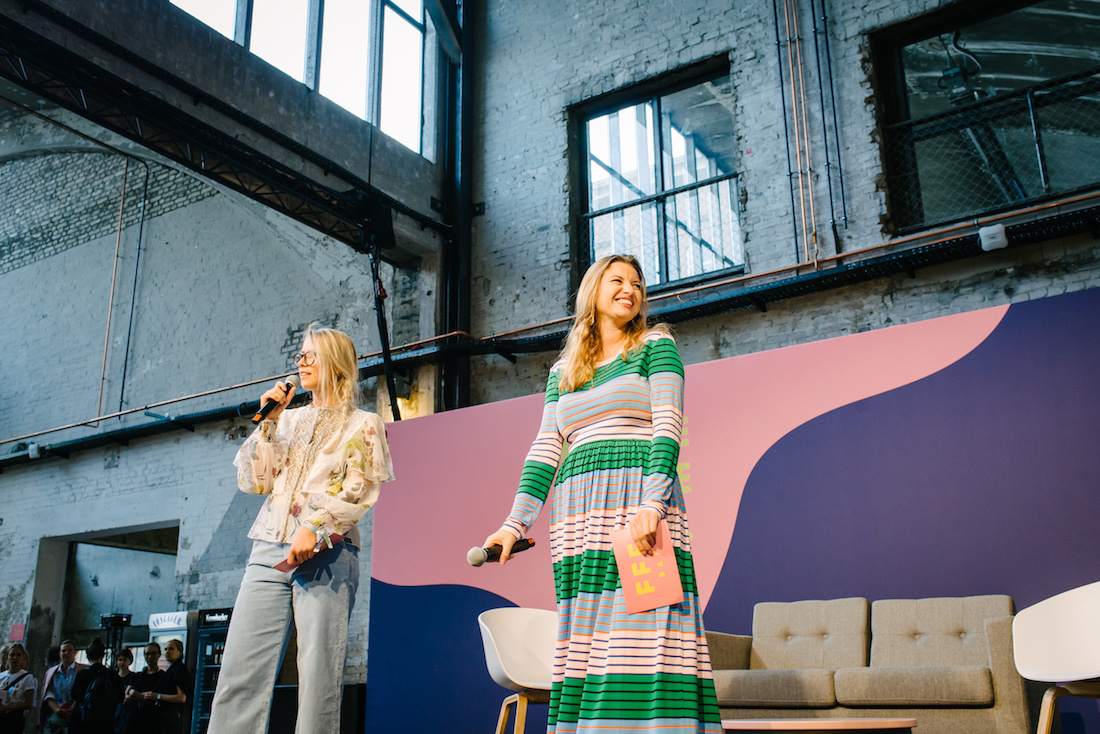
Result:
pixel 543 57
pixel 220 295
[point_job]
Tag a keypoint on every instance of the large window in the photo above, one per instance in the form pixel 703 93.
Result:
pixel 988 112
pixel 331 46
pixel 660 181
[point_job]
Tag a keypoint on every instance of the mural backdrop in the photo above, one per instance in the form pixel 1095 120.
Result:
pixel 949 457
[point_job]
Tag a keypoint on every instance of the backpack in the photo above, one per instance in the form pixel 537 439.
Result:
pixel 101 698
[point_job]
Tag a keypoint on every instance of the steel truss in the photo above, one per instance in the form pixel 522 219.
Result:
pixel 74 83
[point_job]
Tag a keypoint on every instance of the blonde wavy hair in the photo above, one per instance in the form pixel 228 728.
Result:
pixel 583 344
pixel 338 379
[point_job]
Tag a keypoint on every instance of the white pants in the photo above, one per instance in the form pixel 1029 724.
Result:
pixel 317 598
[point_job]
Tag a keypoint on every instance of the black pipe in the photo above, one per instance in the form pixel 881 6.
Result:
pixel 383 330
pixel 836 128
pixel 825 131
pixel 133 292
pixel 786 131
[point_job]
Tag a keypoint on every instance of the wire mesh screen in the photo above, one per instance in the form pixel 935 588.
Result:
pixel 996 152
pixel 692 231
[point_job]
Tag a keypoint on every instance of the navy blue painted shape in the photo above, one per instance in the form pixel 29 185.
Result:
pixel 981 478
pixel 426 664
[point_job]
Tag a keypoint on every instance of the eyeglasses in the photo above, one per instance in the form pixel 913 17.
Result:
pixel 304 359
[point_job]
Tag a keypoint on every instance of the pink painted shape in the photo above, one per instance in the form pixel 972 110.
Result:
pixel 456 478
pixel 457 471
pixel 738 408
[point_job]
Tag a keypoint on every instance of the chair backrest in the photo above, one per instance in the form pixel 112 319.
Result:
pixel 1058 639
pixel 934 631
pixel 519 646
pixel 799 635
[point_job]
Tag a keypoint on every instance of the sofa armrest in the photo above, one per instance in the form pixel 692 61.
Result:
pixel 729 652
pixel 1009 694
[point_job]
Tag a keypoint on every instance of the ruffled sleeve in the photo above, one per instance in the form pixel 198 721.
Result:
pixel 262 458
pixel 354 485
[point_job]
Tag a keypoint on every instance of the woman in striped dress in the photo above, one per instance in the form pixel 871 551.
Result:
pixel 616 397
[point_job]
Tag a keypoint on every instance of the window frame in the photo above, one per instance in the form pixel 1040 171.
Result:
pixel 648 90
pixel 892 108
pixel 312 61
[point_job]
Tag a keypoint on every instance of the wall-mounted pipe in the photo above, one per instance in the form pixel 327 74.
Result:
pixel 786 127
pixel 133 291
pixel 114 278
pixel 824 127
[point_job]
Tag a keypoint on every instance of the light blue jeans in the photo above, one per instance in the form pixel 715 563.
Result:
pixel 317 598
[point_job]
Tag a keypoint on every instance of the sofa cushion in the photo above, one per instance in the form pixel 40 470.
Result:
pixel 775 688
pixel 810 634
pixel 945 631
pixel 959 685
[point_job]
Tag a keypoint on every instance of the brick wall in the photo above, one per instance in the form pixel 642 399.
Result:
pixel 543 57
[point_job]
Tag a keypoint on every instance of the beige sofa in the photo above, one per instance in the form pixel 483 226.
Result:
pixel 945 662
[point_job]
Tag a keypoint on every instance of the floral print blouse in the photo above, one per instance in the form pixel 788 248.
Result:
pixel 337 488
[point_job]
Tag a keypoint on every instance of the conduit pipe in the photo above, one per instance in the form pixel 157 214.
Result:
pixel 824 127
pixel 786 125
pixel 805 128
pixel 797 131
pixel 114 277
pixel 133 291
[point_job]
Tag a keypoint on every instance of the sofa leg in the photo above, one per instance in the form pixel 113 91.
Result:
pixel 1046 711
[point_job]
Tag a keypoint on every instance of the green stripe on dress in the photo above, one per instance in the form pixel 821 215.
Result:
pixel 535 479
pixel 594 572
pixel 634 697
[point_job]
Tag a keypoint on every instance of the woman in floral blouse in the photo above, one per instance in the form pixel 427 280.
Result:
pixel 321 467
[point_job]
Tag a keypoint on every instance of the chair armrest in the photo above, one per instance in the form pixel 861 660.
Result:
pixel 729 652
pixel 1009 694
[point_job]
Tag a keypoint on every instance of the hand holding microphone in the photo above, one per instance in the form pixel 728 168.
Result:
pixel 499 545
pixel 277 397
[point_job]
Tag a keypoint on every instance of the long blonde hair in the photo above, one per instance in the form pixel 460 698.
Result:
pixel 338 379
pixel 583 344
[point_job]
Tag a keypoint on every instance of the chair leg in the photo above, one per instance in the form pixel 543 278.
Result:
pixel 1046 710
pixel 502 720
pixel 521 714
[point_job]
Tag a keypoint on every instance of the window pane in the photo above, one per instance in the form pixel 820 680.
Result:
pixel 402 47
pixel 697 125
pixel 1047 40
pixel 414 8
pixel 221 15
pixel 996 114
pixel 630 231
pixel 345 54
pixel 279 34
pixel 622 156
pixel 702 233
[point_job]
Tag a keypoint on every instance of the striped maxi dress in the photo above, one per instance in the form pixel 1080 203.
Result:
pixel 616 672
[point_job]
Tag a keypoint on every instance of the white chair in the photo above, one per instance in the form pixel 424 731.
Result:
pixel 1058 641
pixel 519 652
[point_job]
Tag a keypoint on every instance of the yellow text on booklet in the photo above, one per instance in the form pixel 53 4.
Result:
pixel 649 581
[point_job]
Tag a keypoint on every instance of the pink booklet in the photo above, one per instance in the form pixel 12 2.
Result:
pixel 286 566
pixel 648 581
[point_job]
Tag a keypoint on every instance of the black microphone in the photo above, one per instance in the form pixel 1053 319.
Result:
pixel 478 556
pixel 271 404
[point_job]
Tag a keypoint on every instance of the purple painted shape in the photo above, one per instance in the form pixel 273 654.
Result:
pixel 978 479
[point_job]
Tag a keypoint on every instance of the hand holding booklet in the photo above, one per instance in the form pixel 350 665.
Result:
pixel 648 581
pixel 286 566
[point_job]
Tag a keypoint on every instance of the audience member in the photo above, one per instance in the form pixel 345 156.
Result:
pixel 96 694
pixel 17 688
pixel 56 707
pixel 173 690
pixel 139 716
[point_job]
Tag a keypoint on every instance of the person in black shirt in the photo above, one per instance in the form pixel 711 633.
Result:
pixel 172 692
pixel 96 694
pixel 139 716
